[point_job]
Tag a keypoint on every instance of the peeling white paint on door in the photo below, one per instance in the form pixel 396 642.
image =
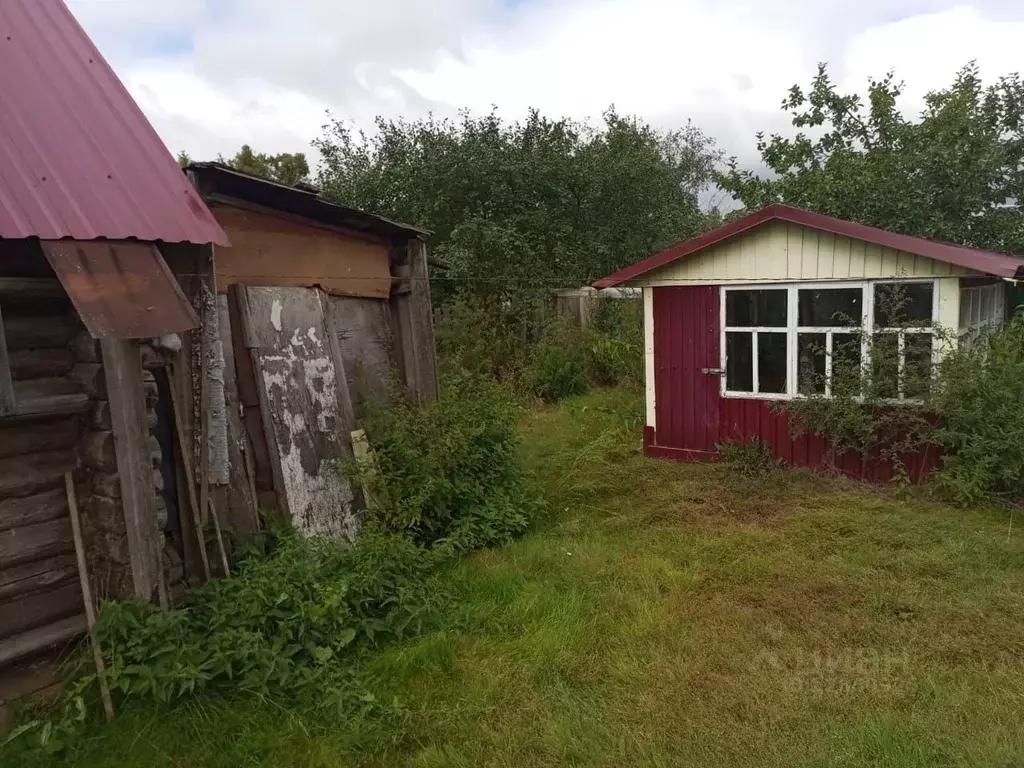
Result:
pixel 275 314
pixel 301 385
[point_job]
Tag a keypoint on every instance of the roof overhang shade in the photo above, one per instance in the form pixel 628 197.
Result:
pixel 121 289
pixel 988 262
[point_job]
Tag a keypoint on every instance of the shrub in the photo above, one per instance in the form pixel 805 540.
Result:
pixel 981 402
pixel 615 342
pixel 449 472
pixel 287 624
pixel 753 459
pixel 487 338
pixel 560 364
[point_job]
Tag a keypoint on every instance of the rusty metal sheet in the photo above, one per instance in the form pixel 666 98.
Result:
pixel 122 290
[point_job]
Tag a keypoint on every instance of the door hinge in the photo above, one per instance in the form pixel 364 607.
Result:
pixel 713 371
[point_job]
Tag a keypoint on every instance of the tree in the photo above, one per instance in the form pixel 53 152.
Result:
pixel 518 208
pixel 285 168
pixel 956 173
pixel 183 159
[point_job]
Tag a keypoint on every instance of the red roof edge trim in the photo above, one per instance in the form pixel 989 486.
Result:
pixel 997 264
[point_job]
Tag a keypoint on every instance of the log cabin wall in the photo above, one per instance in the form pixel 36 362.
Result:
pixel 62 422
pixel 40 597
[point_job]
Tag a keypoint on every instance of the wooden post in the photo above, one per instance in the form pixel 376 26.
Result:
pixel 413 321
pixel 90 611
pixel 122 364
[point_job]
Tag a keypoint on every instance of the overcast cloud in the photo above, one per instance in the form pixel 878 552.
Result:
pixel 212 74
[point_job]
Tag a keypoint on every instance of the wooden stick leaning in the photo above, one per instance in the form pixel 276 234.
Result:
pixel 189 480
pixel 90 611
pixel 220 540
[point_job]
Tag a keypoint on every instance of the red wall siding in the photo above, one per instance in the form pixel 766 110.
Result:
pixel 692 417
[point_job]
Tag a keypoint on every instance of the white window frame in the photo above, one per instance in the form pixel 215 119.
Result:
pixel 792 329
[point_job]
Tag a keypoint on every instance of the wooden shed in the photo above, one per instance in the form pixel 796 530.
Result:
pixel 319 307
pixel 733 319
pixel 103 247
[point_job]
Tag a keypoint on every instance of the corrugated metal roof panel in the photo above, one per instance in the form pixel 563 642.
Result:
pixel 77 156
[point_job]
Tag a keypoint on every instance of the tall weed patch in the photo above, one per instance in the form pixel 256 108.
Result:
pixel 289 625
pixel 449 472
pixel 981 399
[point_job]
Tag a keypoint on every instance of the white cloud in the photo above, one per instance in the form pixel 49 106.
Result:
pixel 213 74
pixel 943 42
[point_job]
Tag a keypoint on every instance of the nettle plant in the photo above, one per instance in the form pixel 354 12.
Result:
pixel 871 392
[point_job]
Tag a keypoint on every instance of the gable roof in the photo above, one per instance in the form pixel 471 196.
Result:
pixel 78 159
pixel 998 264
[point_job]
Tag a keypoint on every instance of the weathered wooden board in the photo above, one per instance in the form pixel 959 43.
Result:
pixel 25 475
pixel 300 389
pixel 6 384
pixel 40 363
pixel 249 397
pixel 413 323
pixel 33 542
pixel 362 328
pixel 243 517
pixel 29 510
pixel 43 332
pixel 268 250
pixel 57 633
pixel 38 608
pixel 18 440
pixel 36 575
pixel 122 364
pixel 49 397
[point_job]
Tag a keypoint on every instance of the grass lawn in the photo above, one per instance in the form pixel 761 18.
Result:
pixel 675 615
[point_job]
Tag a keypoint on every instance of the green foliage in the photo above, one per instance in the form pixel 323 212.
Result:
pixel 448 472
pixel 488 337
pixel 982 405
pixel 559 366
pixel 286 625
pixel 567 360
pixel 863 413
pixel 753 459
pixel 184 159
pixel 955 174
pixel 285 168
pixel 519 208
pixel 615 342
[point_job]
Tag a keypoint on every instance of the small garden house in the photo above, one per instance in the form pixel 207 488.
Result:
pixel 767 308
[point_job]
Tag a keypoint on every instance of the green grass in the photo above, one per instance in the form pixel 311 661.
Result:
pixel 673 614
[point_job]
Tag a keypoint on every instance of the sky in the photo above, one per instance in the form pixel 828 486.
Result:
pixel 214 74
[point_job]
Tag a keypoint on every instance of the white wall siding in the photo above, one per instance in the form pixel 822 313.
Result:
pixel 649 353
pixel 782 251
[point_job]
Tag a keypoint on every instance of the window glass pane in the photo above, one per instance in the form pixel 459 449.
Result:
pixel 811 363
pixel 758 307
pixel 846 364
pixel 831 307
pixel 739 361
pixel 771 362
pixel 917 364
pixel 885 364
pixel 902 304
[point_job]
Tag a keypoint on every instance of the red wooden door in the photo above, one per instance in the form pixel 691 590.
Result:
pixel 686 382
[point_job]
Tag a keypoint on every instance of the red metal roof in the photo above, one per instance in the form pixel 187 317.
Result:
pixel 78 158
pixel 990 263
